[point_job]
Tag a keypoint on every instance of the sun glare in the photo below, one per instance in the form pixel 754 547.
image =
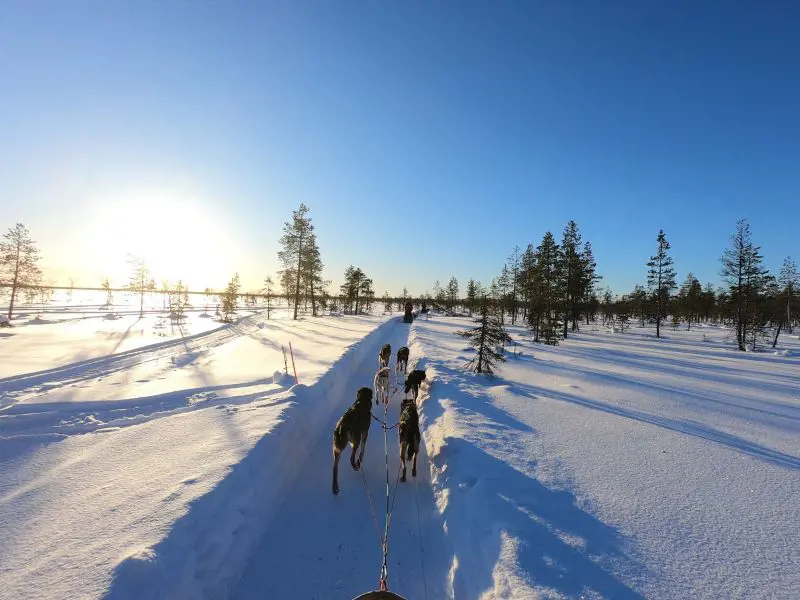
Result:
pixel 176 236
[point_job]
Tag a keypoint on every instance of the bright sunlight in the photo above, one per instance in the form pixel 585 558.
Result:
pixel 175 234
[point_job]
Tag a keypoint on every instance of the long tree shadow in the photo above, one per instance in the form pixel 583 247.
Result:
pixel 557 545
pixel 693 428
pixel 490 505
pixel 206 550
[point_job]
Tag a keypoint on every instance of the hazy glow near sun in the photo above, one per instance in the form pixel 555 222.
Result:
pixel 177 237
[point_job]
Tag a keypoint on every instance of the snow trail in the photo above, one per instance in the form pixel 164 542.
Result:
pixel 325 546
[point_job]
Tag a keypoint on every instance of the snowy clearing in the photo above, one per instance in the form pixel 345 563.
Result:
pixel 611 466
pixel 107 464
pixel 617 466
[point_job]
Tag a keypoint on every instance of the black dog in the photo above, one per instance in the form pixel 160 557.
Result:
pixel 384 355
pixel 402 360
pixel 408 433
pixel 414 380
pixel 352 428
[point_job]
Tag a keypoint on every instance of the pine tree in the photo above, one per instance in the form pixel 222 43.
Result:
pixel 229 299
pixel 367 294
pixel 502 291
pixel 513 265
pixel 295 243
pixel 106 285
pixel 268 288
pixel 452 293
pixel 708 302
pixel 690 300
pixel 311 273
pixel 589 278
pixel 439 295
pixel 19 259
pixel 139 280
pixel 485 338
pixel 572 269
pixel 741 268
pixel 472 294
pixel 526 279
pixel 609 310
pixel 356 290
pixel 789 281
pixel 179 300
pixel 551 261
pixel 638 299
pixel 661 278
pixel 622 310
pixel 387 301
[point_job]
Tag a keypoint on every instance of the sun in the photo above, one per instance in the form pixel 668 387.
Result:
pixel 177 236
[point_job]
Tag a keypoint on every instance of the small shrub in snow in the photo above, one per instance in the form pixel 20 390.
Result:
pixel 484 338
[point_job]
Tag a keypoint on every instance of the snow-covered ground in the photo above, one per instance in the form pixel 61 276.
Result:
pixel 142 466
pixel 140 460
pixel 618 465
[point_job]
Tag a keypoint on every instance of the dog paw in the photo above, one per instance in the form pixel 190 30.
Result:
pixel 335 490
pixel 414 473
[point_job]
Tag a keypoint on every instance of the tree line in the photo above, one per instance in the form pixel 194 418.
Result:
pixel 551 287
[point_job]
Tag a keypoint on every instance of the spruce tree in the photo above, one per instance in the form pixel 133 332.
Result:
pixel 513 265
pixel 472 294
pixel 485 337
pixel 789 281
pixel 229 298
pixel 661 278
pixel 19 259
pixel 452 293
pixel 550 289
pixel 572 273
pixel 741 268
pixel 588 278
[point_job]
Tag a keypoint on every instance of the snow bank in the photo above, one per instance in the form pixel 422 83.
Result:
pixel 512 537
pixel 615 466
pixel 207 550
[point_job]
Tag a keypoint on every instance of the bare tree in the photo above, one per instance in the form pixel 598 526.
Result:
pixel 19 259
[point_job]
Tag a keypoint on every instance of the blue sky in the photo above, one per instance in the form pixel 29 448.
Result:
pixel 427 138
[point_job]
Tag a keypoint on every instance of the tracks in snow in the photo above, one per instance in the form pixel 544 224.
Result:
pixel 18 417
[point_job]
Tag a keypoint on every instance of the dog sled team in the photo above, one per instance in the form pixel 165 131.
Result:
pixel 353 427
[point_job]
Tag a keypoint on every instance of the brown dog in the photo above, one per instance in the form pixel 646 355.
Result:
pixel 384 355
pixel 402 360
pixel 413 381
pixel 409 436
pixel 352 428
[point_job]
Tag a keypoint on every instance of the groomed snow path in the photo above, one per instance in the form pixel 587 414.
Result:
pixel 325 546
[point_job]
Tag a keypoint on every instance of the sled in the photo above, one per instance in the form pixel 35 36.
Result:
pixel 379 595
pixel 408 317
